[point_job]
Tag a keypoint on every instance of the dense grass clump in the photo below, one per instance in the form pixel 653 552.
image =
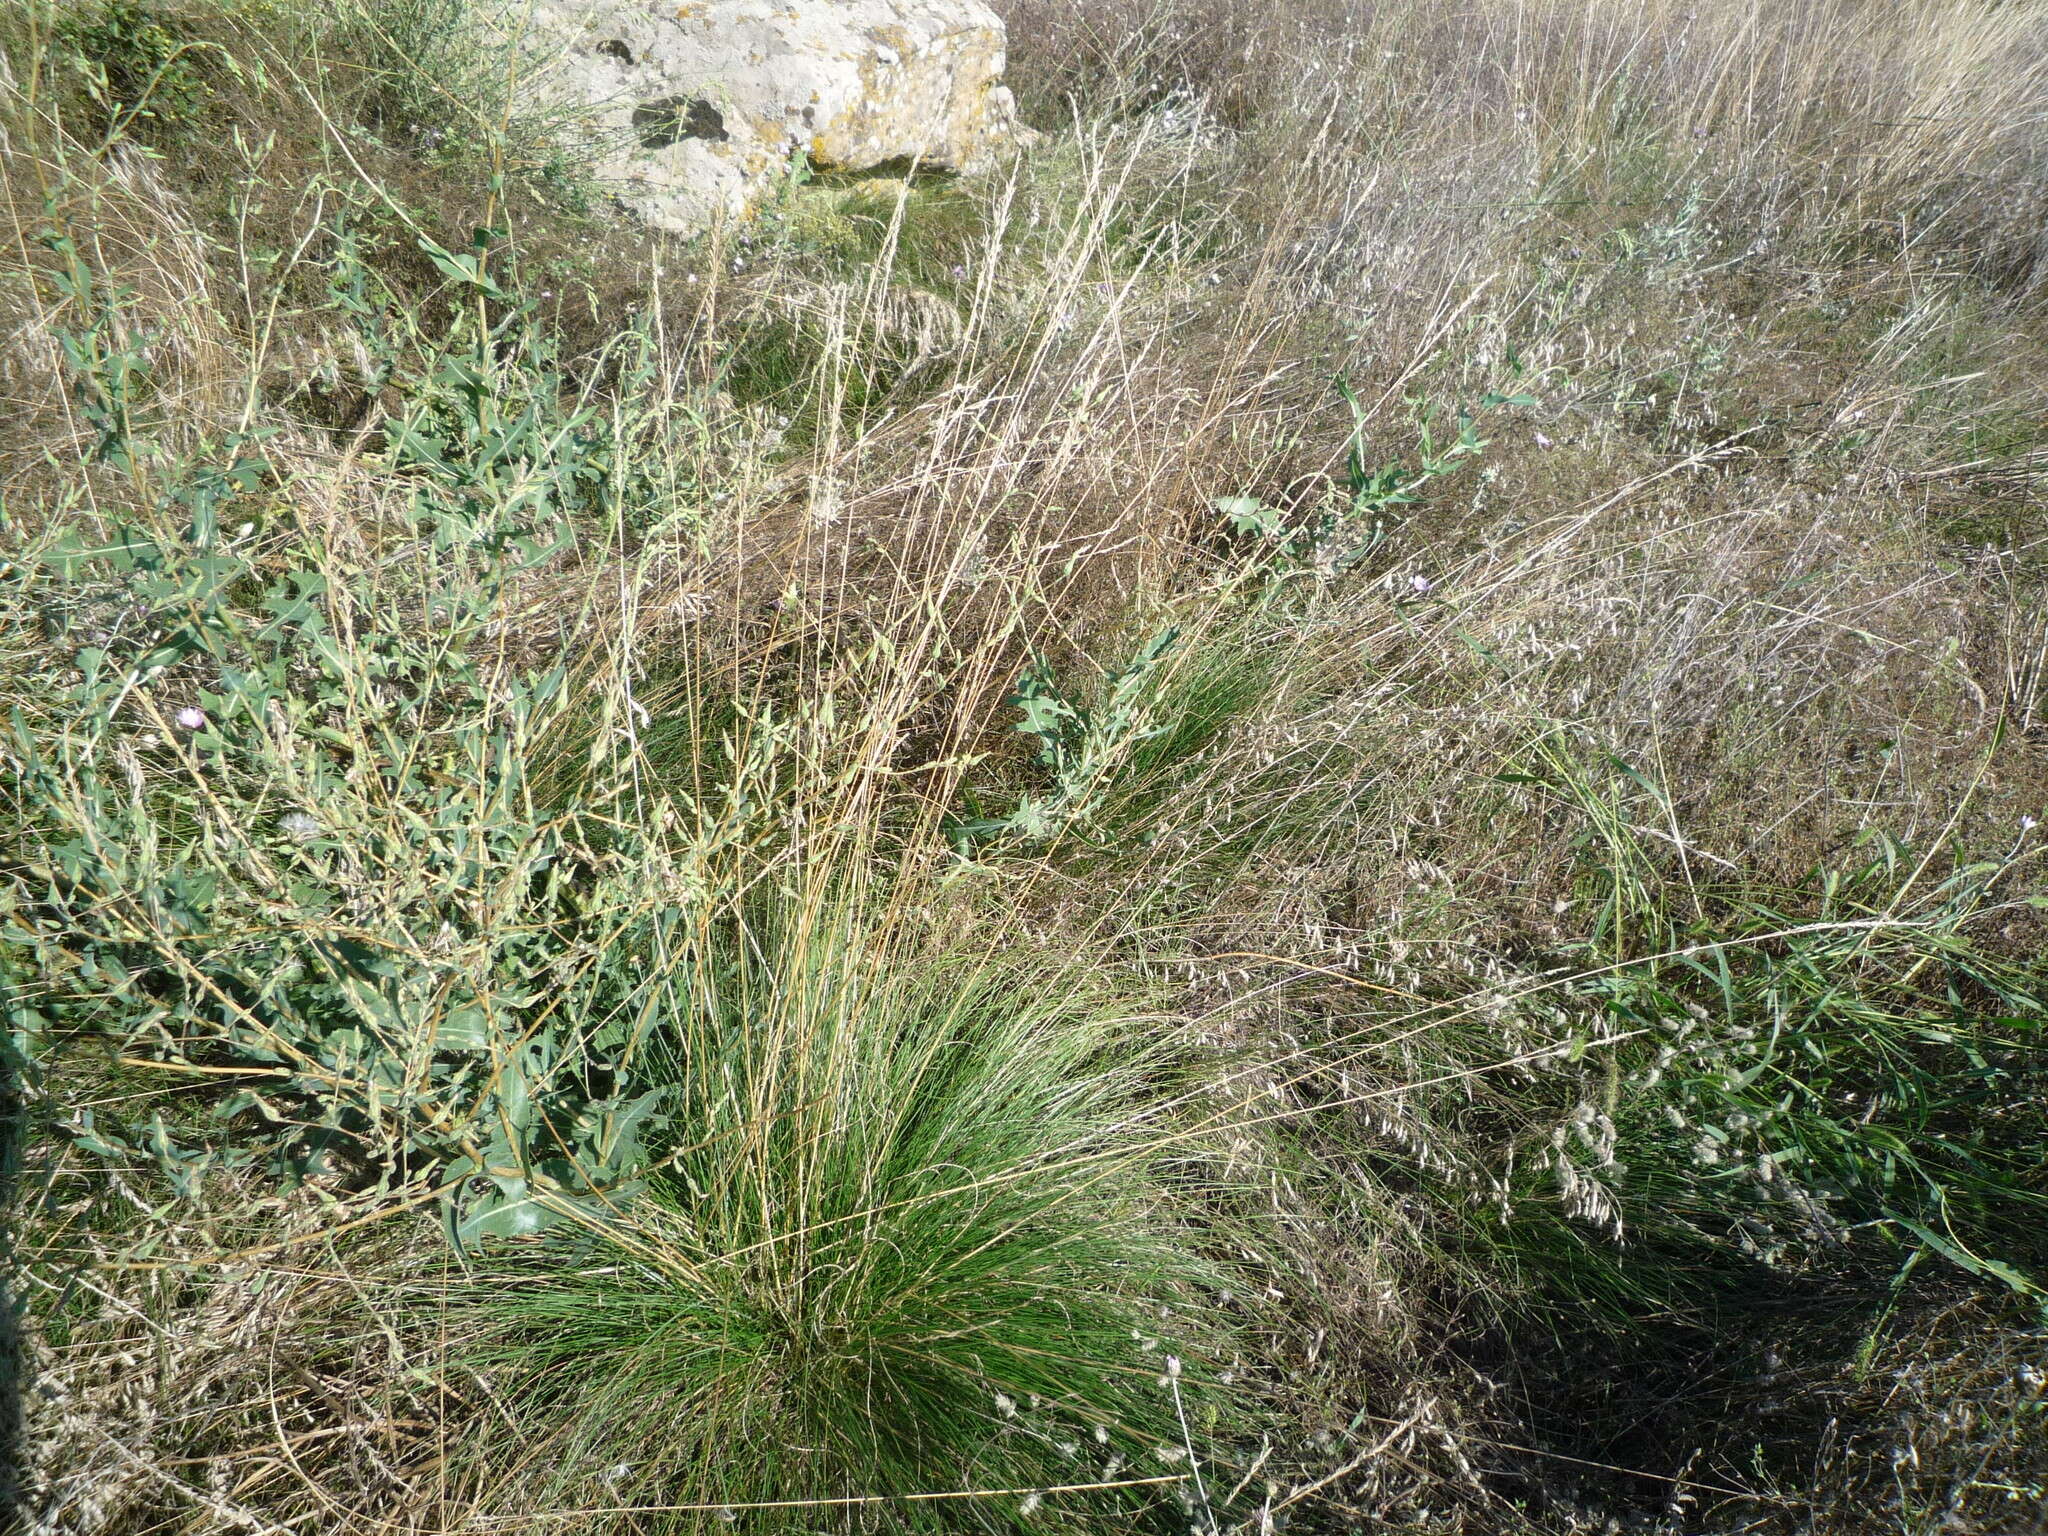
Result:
pixel 908 1233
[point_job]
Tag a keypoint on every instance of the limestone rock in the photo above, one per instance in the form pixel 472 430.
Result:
pixel 696 107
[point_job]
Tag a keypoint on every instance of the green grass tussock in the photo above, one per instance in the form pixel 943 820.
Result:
pixel 910 1231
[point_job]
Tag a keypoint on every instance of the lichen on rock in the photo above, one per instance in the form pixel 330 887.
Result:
pixel 695 109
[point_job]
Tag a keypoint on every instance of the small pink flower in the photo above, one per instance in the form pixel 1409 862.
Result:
pixel 192 719
pixel 1420 583
pixel 1544 442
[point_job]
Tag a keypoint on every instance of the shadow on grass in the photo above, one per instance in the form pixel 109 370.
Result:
pixel 13 1356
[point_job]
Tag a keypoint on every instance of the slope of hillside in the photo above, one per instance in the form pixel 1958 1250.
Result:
pixel 1318 810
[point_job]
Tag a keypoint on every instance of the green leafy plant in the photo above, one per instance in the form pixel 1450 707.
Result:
pixel 1079 744
pixel 1345 529
pixel 134 64
pixel 107 357
pixel 288 834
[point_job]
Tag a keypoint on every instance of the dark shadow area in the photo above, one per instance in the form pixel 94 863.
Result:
pixel 14 1367
pixel 673 119
pixel 910 168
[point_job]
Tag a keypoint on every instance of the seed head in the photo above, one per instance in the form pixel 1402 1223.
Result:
pixel 298 826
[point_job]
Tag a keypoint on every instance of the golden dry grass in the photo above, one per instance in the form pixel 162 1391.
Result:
pixel 1754 588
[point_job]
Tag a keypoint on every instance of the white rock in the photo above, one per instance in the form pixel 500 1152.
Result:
pixel 696 107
